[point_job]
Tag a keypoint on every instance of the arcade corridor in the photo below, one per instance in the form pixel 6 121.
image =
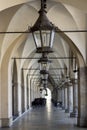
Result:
pixel 43 46
pixel 45 118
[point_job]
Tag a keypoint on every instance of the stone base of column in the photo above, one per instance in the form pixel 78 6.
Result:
pixel 15 115
pixel 19 113
pixel 66 111
pixel 73 114
pixel 63 108
pixel 82 122
pixel 23 110
pixel 27 107
pixel 6 122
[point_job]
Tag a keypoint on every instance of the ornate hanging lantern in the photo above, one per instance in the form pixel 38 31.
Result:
pixel 44 62
pixel 43 31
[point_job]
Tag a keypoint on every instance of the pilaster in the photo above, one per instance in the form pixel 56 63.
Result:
pixel 82 92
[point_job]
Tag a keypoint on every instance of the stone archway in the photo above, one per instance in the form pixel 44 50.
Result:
pixel 82 83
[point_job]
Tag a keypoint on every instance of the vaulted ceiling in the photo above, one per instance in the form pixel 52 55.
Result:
pixel 18 15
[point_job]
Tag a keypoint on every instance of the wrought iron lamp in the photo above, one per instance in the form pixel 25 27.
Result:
pixel 44 62
pixel 44 66
pixel 43 31
pixel 44 74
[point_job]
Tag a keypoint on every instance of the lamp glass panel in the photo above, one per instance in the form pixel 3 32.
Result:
pixel 43 66
pixel 46 38
pixel 52 38
pixel 37 39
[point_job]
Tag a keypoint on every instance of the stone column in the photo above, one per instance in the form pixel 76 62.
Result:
pixel 75 99
pixel 30 93
pixel 27 92
pixel 69 97
pixel 65 98
pixel 59 95
pixel 25 97
pixel 56 95
pixel 82 100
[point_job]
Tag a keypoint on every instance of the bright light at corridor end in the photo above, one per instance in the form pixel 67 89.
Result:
pixel 48 97
pixel 49 94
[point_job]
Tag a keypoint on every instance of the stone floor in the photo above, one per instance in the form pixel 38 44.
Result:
pixel 45 118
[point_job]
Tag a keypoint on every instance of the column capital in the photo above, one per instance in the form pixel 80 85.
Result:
pixel 66 85
pixel 74 81
pixel 70 84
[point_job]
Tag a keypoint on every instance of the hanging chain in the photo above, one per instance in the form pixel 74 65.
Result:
pixel 43 4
